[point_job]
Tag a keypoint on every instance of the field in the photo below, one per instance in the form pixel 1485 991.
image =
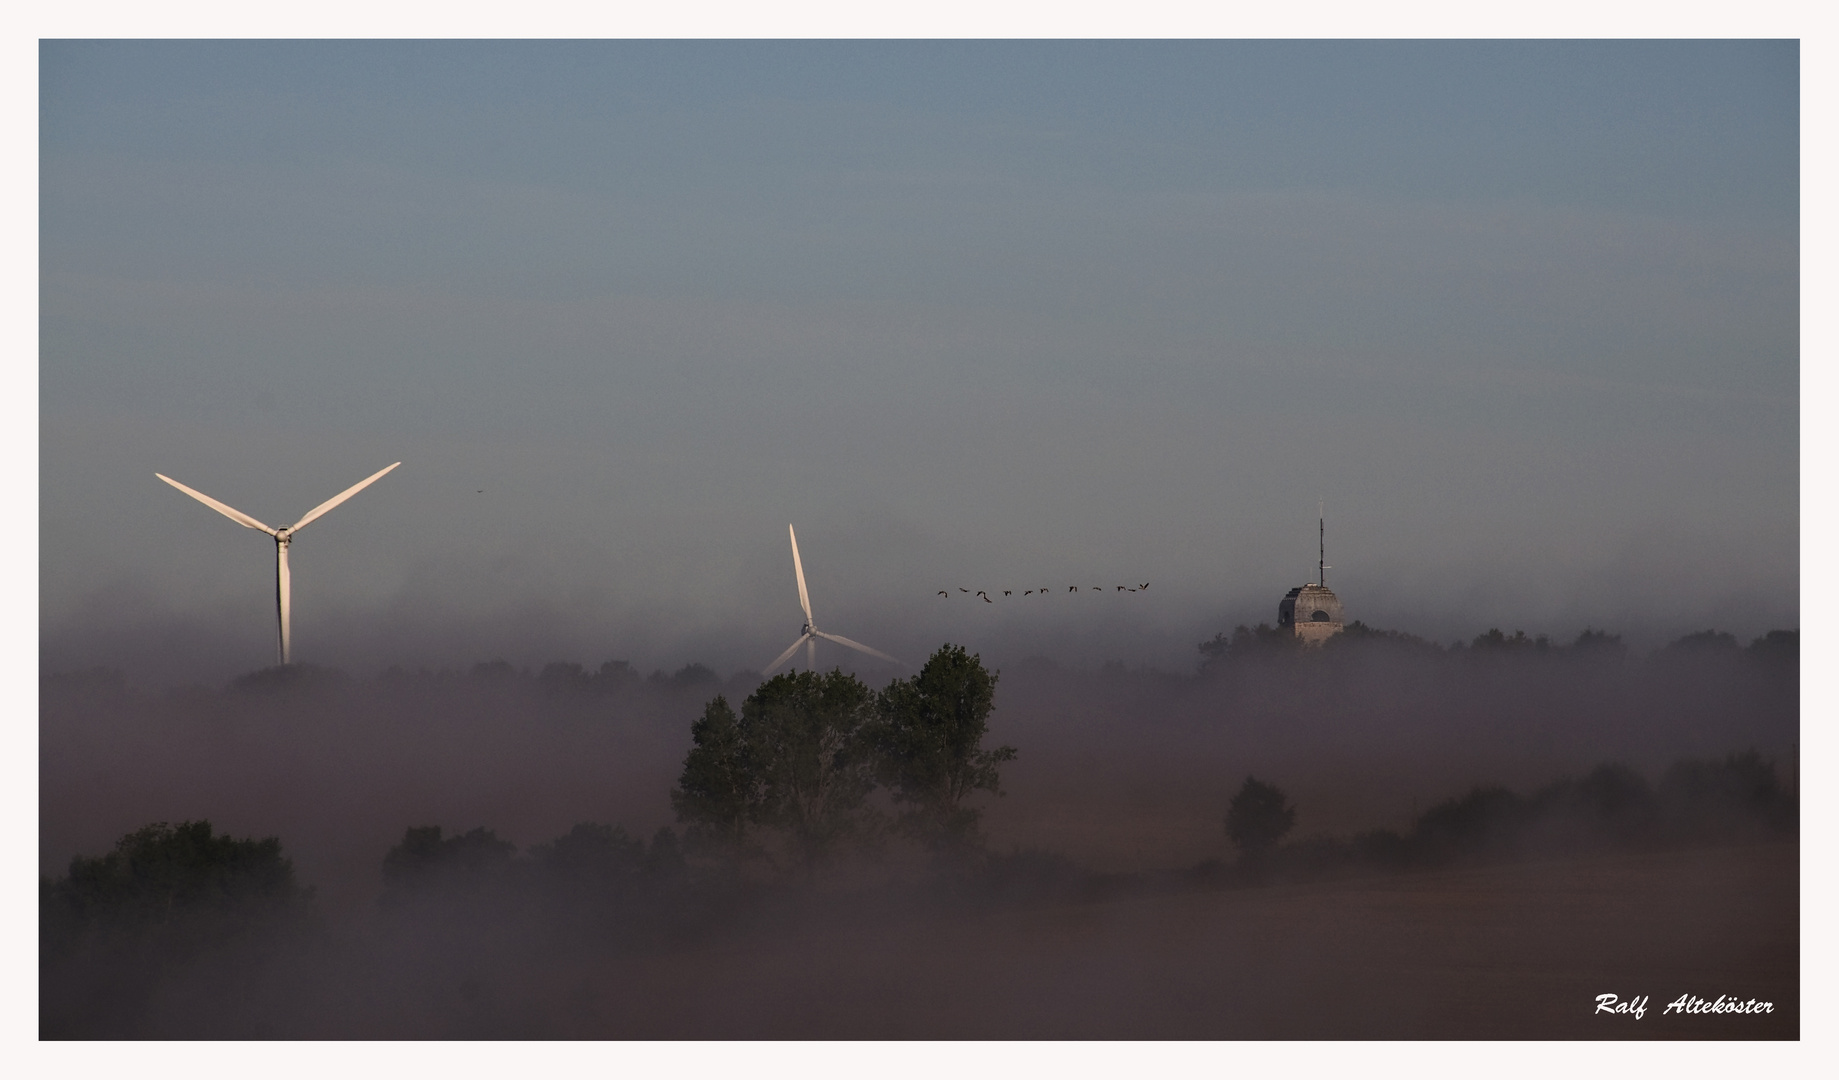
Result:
pixel 1505 952
pixel 1125 777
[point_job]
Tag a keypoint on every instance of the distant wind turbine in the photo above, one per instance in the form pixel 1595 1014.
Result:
pixel 811 633
pixel 283 537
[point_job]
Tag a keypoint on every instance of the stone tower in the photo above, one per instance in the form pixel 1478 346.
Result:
pixel 1311 611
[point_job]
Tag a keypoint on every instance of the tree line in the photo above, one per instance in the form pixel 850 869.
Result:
pixel 1737 799
pixel 1264 640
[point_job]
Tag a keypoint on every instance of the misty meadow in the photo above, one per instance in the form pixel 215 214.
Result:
pixel 582 851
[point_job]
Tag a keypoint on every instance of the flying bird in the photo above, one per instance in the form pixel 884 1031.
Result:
pixel 1072 588
pixel 1030 592
pixel 808 638
pixel 942 592
pixel 964 590
pixel 1005 592
pixel 986 599
pixel 284 536
pixel 1145 585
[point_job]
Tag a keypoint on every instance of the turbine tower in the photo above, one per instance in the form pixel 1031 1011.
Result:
pixel 811 633
pixel 283 537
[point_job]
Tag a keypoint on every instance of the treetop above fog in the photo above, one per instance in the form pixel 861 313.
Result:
pixel 806 749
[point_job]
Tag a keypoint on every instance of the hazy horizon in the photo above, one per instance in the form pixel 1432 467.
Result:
pixel 1524 315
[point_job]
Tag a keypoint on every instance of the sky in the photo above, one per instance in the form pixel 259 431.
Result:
pixel 1522 318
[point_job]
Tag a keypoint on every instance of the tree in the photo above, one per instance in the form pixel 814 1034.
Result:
pixel 804 738
pixel 1495 641
pixel 1246 642
pixel 164 875
pixel 170 902
pixel 591 854
pixel 424 860
pixel 718 795
pixel 929 745
pixel 1259 816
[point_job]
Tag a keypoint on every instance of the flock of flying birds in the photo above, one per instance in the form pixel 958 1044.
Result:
pixel 1044 591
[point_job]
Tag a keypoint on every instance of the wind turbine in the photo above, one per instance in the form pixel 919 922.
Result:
pixel 283 537
pixel 811 633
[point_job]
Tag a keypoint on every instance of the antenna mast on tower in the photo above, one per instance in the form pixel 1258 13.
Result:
pixel 1321 543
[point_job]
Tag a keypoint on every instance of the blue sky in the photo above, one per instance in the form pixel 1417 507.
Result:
pixel 1525 315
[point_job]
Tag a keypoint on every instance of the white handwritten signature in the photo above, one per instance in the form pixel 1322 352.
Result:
pixel 1687 1004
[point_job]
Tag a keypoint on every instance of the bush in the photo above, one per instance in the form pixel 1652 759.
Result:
pixel 464 861
pixel 1258 817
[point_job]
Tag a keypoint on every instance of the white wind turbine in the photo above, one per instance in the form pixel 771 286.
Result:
pixel 811 633
pixel 283 537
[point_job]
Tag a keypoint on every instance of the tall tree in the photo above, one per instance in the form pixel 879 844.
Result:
pixel 805 739
pixel 718 795
pixel 929 745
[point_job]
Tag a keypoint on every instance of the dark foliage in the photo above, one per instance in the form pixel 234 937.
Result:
pixel 1705 643
pixel 808 738
pixel 565 678
pixel 1486 819
pixel 163 877
pixel 798 759
pixel 1737 798
pixel 1611 808
pixel 168 899
pixel 664 859
pixel 1599 645
pixel 291 679
pixel 807 749
pixel 1260 816
pixel 591 855
pixel 1493 641
pixel 1782 646
pixel 1247 643
pixel 425 860
pixel 1359 633
pixel 928 747
pixel 494 671
pixel 719 792
pixel 692 676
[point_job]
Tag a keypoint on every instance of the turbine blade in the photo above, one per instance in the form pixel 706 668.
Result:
pixel 339 498
pixel 284 588
pixel 787 655
pixel 804 598
pixel 856 645
pixel 230 512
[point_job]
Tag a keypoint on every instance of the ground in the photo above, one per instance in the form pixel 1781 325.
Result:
pixel 1517 952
